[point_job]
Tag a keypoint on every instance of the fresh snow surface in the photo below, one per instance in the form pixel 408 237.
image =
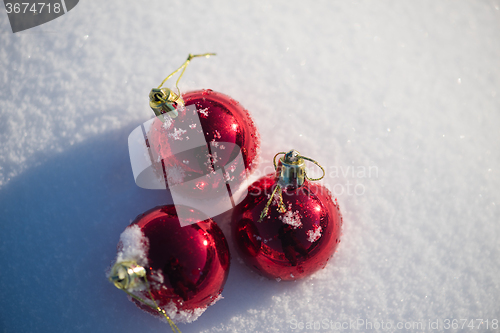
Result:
pixel 399 101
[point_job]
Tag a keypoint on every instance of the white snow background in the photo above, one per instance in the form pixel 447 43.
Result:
pixel 408 88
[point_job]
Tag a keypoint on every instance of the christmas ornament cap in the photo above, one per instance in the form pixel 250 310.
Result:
pixel 164 101
pixel 291 169
pixel 288 226
pixel 127 275
pixel 290 174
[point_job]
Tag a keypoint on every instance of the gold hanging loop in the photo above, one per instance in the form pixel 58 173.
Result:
pixel 274 158
pixel 183 67
pixel 311 160
pixel 163 101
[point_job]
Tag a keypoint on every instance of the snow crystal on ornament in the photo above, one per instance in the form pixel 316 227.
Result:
pixel 277 200
pixel 204 112
pixel 292 218
pixel 177 135
pixel 134 246
pixel 227 177
pixel 215 158
pixel 314 235
pixel 167 123
pixel 175 174
pixel 156 279
pixel 212 159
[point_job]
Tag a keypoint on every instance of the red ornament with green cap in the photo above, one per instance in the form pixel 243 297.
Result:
pixel 288 226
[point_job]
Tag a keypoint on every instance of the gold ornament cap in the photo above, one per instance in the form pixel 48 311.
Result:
pixel 163 101
pixel 291 170
pixel 291 174
pixel 127 275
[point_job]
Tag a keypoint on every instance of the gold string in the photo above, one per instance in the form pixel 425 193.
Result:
pixel 281 205
pixel 183 67
pixel 274 158
pixel 305 158
pixel 174 327
pixel 170 322
pixel 311 160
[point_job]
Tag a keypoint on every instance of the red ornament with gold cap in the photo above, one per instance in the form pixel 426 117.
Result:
pixel 171 271
pixel 196 134
pixel 288 226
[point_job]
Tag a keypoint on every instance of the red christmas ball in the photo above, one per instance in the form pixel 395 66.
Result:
pixel 212 132
pixel 184 268
pixel 295 236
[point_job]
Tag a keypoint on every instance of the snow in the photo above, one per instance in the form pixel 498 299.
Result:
pixel 314 234
pixel 177 134
pixel 185 316
pixel 133 247
pixel 290 217
pixel 410 89
pixel 204 112
pixel 181 316
pixel 167 123
pixel 175 174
